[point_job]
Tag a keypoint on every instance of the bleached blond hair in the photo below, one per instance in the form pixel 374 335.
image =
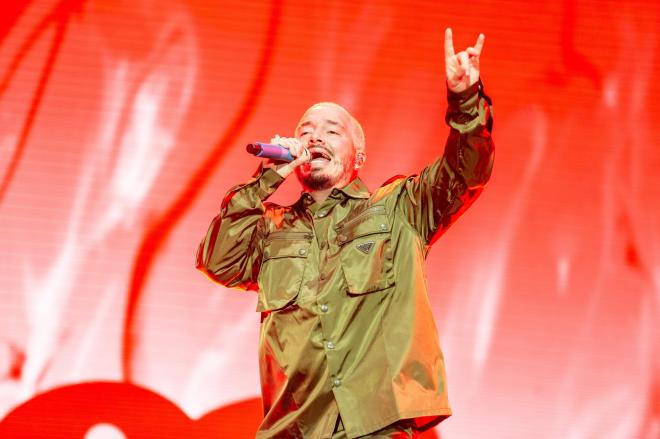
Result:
pixel 357 133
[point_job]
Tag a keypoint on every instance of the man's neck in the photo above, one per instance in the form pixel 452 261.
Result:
pixel 320 195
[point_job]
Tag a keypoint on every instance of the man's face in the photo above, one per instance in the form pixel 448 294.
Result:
pixel 325 131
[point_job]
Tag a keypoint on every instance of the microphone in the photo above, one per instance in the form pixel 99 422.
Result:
pixel 270 151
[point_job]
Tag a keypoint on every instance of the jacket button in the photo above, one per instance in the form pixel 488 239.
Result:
pixel 336 382
pixel 302 252
pixel 383 227
pixel 324 308
pixel 330 345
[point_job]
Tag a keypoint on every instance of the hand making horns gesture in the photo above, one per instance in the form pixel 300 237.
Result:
pixel 462 68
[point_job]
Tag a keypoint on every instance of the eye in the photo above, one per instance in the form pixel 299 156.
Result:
pixel 333 132
pixel 304 133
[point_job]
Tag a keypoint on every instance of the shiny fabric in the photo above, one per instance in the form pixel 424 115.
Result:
pixel 346 325
pixel 404 429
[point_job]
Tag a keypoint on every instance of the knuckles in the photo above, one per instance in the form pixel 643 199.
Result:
pixel 293 144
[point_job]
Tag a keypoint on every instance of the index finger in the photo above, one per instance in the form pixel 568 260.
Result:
pixel 480 43
pixel 449 43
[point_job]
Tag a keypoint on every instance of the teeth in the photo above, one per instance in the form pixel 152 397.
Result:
pixel 320 155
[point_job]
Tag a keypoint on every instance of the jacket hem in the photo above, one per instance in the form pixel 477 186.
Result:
pixel 443 412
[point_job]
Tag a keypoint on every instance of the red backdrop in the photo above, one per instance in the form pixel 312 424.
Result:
pixel 123 123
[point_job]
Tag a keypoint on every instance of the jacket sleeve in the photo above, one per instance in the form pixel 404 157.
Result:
pixel 434 199
pixel 230 253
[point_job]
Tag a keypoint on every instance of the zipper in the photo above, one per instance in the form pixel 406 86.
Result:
pixel 289 235
pixel 368 211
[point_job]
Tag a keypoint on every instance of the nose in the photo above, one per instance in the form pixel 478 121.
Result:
pixel 315 138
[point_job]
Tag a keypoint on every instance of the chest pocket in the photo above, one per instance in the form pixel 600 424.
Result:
pixel 281 273
pixel 366 250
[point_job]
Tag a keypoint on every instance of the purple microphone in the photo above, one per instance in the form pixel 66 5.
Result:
pixel 269 151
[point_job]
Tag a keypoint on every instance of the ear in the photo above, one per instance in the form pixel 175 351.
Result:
pixel 360 158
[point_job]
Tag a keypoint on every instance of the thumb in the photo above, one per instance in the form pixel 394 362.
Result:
pixel 286 169
pixel 304 157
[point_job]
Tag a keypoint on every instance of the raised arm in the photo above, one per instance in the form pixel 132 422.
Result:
pixel 432 200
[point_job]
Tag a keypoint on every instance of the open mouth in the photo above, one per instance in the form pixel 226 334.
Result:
pixel 319 156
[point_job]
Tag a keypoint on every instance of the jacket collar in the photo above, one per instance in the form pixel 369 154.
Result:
pixel 355 189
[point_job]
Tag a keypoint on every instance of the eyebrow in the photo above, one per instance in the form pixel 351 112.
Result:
pixel 328 121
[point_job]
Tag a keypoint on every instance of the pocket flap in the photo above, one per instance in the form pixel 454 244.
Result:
pixel 287 245
pixel 366 226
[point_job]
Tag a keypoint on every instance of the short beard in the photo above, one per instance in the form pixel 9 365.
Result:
pixel 321 182
pixel 318 182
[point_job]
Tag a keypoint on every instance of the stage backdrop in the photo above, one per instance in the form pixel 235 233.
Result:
pixel 123 123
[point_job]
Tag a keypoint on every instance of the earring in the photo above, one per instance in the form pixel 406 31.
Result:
pixel 359 160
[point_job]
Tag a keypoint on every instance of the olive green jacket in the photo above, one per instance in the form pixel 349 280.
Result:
pixel 346 325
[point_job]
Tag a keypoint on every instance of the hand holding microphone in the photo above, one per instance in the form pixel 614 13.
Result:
pixel 297 154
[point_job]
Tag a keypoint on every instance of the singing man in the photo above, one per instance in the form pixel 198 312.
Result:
pixel 348 346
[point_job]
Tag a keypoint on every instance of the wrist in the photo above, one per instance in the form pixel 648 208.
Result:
pixel 464 95
pixel 277 167
pixel 284 170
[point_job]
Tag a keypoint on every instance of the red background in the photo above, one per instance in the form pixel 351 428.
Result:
pixel 123 123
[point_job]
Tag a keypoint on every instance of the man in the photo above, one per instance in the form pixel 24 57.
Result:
pixel 348 345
